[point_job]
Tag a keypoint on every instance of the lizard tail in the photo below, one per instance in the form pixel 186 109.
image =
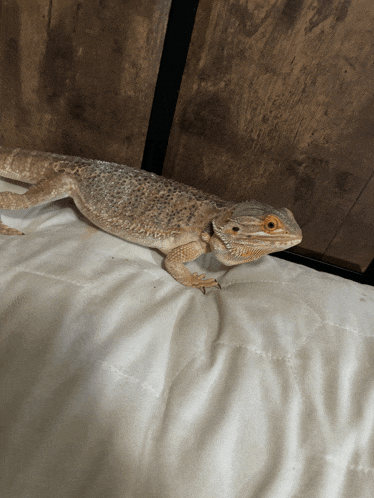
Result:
pixel 26 165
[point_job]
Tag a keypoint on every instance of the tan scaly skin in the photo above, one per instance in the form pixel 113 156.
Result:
pixel 181 221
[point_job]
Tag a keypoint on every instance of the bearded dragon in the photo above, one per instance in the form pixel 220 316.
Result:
pixel 180 221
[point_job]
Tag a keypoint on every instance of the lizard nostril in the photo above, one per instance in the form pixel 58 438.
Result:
pixel 236 229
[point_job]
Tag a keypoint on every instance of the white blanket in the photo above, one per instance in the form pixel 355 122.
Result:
pixel 117 381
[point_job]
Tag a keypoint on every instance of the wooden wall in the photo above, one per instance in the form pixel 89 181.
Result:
pixel 277 104
pixel 78 77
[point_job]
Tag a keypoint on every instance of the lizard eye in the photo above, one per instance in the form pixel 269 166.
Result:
pixel 235 229
pixel 271 223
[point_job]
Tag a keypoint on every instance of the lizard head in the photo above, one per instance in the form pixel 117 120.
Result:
pixel 251 229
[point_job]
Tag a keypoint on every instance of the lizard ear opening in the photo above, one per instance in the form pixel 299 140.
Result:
pixel 223 218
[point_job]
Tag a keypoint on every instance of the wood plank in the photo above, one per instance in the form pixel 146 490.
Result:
pixel 276 104
pixel 78 77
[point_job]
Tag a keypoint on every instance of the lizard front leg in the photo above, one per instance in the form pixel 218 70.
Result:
pixel 182 254
pixel 51 188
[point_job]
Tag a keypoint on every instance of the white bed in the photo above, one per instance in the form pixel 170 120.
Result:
pixel 116 381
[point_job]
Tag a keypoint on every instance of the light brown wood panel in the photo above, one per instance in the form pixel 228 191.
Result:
pixel 276 104
pixel 78 76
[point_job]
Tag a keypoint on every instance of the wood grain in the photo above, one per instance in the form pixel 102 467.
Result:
pixel 78 77
pixel 277 104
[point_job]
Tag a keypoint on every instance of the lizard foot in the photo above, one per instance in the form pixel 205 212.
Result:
pixel 198 282
pixel 5 230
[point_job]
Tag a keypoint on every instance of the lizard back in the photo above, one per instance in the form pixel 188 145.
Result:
pixel 136 197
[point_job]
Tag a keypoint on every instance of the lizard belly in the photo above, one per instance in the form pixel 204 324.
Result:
pixel 168 243
pixel 165 243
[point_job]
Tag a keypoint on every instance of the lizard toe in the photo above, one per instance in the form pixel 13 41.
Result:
pixel 198 282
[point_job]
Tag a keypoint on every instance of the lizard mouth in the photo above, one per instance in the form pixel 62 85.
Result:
pixel 261 238
pixel 282 238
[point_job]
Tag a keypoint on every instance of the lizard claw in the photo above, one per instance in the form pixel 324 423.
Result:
pixel 5 230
